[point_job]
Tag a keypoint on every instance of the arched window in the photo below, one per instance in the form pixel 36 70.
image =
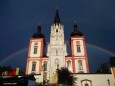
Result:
pixel 45 65
pixel 80 65
pixel 69 64
pixel 33 66
pixel 78 49
pixel 57 63
pixel 78 46
pixel 35 49
pixel 86 84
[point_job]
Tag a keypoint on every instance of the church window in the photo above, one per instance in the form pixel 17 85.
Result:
pixel 78 49
pixel 86 84
pixel 57 63
pixel 33 66
pixel 45 65
pixel 35 49
pixel 78 46
pixel 80 65
pixel 68 64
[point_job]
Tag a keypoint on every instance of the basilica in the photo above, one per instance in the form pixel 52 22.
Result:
pixel 44 65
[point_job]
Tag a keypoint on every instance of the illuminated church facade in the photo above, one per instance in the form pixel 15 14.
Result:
pixel 44 65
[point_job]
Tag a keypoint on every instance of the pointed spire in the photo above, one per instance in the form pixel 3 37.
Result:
pixel 57 18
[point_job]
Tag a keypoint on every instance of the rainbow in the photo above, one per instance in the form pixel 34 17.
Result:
pixel 13 55
pixel 102 49
pixel 25 49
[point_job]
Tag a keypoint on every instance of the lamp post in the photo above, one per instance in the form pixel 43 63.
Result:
pixel 108 82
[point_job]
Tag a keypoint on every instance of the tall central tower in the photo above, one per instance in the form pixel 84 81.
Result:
pixel 56 48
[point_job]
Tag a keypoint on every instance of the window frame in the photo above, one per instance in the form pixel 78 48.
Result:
pixel 34 66
pixel 45 65
pixel 80 64
pixel 78 46
pixel 35 50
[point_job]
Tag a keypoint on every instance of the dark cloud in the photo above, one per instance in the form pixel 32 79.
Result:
pixel 19 19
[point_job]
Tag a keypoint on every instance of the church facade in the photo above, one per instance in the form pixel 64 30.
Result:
pixel 44 66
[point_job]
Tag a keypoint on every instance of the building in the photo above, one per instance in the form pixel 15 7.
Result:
pixel 44 66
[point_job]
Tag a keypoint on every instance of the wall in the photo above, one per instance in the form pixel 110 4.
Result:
pixel 95 79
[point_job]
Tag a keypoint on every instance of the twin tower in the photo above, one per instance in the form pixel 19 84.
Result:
pixel 45 65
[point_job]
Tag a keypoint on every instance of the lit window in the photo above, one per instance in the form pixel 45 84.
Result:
pixel 80 65
pixel 68 64
pixel 35 50
pixel 33 66
pixel 45 66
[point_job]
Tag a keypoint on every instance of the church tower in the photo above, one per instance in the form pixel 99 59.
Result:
pixel 56 48
pixel 44 67
pixel 35 53
pixel 78 51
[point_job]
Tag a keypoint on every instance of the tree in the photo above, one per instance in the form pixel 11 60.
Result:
pixel 104 68
pixel 5 68
pixel 65 77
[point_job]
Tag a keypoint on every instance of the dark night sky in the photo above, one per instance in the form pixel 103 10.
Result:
pixel 19 19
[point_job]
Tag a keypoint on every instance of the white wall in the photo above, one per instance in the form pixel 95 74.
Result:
pixel 75 48
pixel 32 50
pixel 96 79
